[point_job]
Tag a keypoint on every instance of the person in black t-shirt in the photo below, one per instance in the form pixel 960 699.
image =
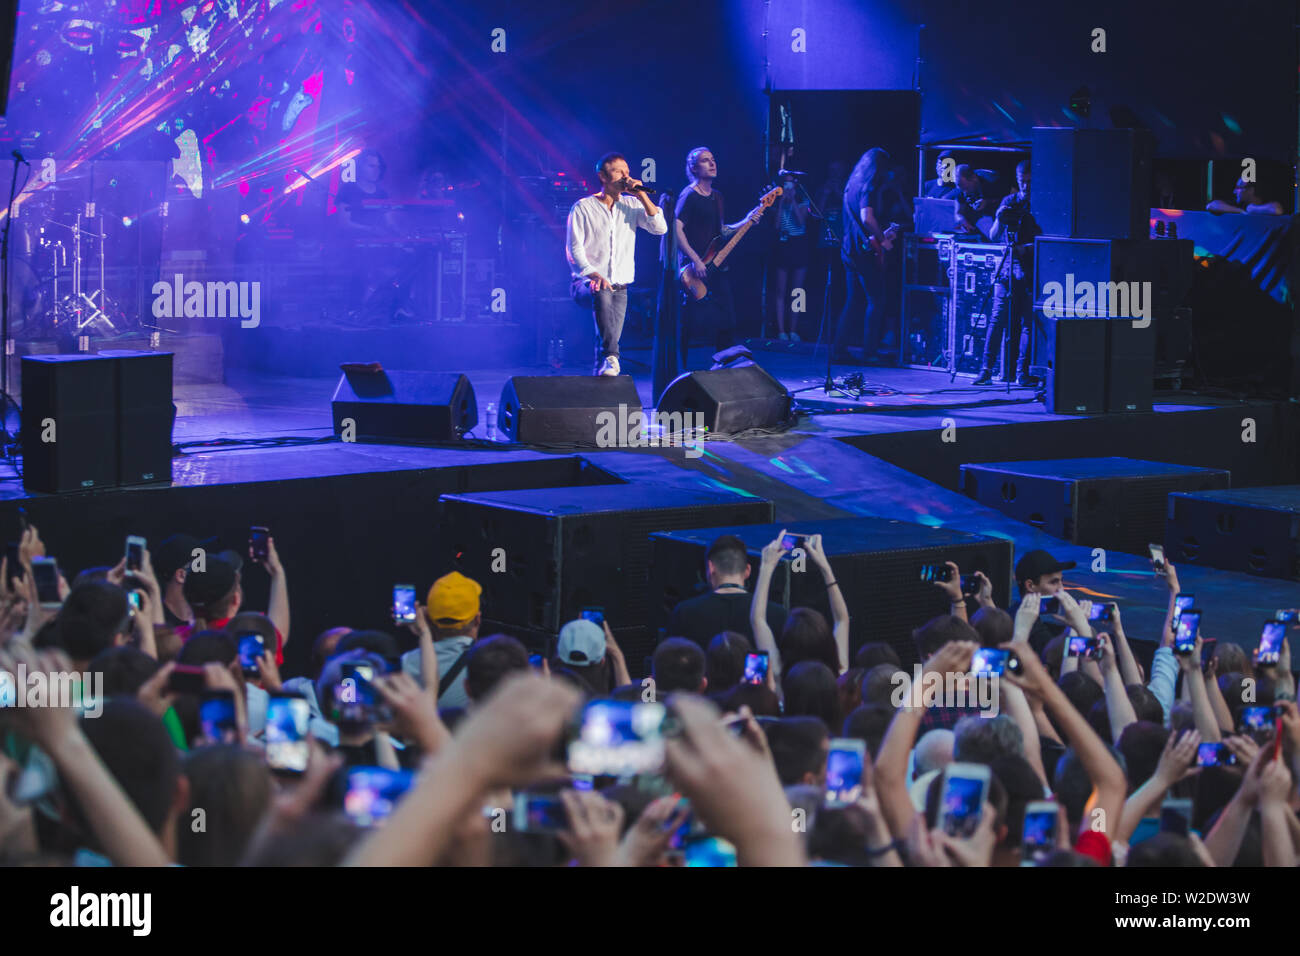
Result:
pixel 382 268
pixel 941 187
pixel 866 197
pixel 699 220
pixel 726 606
pixel 1012 299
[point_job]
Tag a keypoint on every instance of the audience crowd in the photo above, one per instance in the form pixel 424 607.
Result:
pixel 146 719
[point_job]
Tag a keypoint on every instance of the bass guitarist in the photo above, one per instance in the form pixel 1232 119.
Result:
pixel 699 221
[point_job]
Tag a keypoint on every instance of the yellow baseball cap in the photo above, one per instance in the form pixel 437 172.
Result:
pixel 453 599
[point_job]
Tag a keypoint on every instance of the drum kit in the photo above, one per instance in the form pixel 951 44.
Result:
pixel 58 261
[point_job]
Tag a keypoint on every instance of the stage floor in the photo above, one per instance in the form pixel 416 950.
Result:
pixel 882 456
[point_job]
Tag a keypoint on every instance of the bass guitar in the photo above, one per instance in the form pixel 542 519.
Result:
pixel 718 251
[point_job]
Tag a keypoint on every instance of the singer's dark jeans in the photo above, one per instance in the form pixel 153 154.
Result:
pixel 1016 309
pixel 609 307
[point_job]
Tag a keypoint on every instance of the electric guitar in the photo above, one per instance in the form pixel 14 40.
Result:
pixel 718 251
pixel 880 247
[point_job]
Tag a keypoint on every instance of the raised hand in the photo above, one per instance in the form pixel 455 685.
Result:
pixel 647 840
pixel 772 551
pixel 509 739
pixel 733 788
pixel 1177 758
pixel 595 824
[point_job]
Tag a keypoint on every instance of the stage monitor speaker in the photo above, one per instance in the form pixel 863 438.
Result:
pixel 1113 503
pixel 1073 358
pixel 732 400
pixel 877 562
pixel 145 415
pixel 403 405
pixel 1253 530
pixel 1092 183
pixel 569 548
pixel 69 422
pixel 563 409
pixel 1130 366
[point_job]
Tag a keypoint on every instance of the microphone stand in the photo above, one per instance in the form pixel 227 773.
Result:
pixel 667 344
pixel 5 398
pixel 826 304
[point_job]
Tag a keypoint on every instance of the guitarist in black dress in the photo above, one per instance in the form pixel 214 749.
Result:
pixel 699 221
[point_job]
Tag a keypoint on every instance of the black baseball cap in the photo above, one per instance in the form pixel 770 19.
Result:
pixel 176 552
pixel 1034 564
pixel 215 581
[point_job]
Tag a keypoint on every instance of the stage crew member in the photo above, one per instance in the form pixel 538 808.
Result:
pixel 1248 199
pixel 974 211
pixel 699 221
pixel 602 250
pixel 1015 226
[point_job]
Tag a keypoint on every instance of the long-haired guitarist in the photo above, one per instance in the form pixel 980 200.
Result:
pixel 867 197
pixel 699 221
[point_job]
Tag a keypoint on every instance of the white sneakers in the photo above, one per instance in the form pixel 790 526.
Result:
pixel 788 337
pixel 782 337
pixel 794 337
pixel 609 366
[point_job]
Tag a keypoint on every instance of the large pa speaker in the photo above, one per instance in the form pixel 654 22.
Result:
pixel 1113 503
pixel 877 562
pixel 732 400
pixel 1162 268
pixel 567 548
pixel 1252 530
pixel 145 415
pixel 69 422
pixel 403 405
pixel 564 409
pixel 1092 183
pixel 1072 355
pixel 1130 367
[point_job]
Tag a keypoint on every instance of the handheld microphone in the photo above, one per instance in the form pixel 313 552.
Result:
pixel 643 188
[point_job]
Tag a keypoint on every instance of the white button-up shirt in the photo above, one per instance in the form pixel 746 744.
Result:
pixel 603 240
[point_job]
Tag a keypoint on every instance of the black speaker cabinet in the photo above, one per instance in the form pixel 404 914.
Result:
pixel 69 422
pixel 145 415
pixel 564 409
pixel 1130 366
pixel 1116 503
pixel 1253 530
pixel 1164 268
pixel 877 562
pixel 1072 356
pixel 731 400
pixel 1092 183
pixel 403 405
pixel 543 554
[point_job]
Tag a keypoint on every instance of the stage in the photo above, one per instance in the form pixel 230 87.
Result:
pixel 270 458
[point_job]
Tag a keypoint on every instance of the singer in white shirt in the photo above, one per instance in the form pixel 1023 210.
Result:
pixel 602 250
